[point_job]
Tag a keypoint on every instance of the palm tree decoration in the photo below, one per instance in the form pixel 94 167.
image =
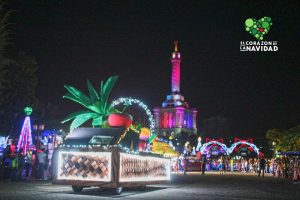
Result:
pixel 97 104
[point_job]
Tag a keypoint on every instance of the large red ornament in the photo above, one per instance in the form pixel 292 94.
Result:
pixel 119 120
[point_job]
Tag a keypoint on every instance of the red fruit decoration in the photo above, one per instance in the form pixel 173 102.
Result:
pixel 261 30
pixel 119 120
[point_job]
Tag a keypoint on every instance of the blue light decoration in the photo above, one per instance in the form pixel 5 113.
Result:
pixel 205 147
pixel 130 101
pixel 3 143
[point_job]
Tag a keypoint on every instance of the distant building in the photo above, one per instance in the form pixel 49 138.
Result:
pixel 175 118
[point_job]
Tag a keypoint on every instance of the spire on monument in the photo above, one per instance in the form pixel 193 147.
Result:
pixel 175 45
pixel 176 53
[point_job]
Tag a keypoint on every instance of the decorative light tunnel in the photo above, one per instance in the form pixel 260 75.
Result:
pixel 130 101
pixel 251 145
pixel 205 147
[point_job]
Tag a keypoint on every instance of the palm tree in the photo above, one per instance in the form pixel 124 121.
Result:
pixel 97 104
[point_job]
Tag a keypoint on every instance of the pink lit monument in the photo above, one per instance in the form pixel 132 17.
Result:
pixel 176 69
pixel 175 117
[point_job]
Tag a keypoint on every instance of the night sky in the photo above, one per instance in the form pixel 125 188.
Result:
pixel 246 93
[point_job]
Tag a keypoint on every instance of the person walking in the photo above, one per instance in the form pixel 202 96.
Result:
pixel 262 166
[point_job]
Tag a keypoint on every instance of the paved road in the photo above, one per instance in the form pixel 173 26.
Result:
pixel 191 186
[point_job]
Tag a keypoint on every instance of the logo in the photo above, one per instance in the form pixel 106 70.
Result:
pixel 258 29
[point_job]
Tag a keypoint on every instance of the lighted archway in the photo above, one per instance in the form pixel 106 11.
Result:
pixel 205 146
pixel 130 101
pixel 251 145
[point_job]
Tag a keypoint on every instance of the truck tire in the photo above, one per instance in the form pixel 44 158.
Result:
pixel 118 190
pixel 77 189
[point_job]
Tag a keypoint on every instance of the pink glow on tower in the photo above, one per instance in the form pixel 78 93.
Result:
pixel 176 69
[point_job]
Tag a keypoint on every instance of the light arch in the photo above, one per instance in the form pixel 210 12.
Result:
pixel 204 147
pixel 130 101
pixel 251 145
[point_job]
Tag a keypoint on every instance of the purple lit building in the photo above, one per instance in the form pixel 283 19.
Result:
pixel 175 118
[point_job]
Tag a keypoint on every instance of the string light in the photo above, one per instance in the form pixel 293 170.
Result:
pixel 25 139
pixel 130 101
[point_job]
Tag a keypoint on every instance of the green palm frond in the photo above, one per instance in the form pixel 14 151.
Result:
pixel 80 119
pixel 75 114
pixel 98 121
pixel 78 94
pixel 108 86
pixel 92 92
pixel 98 105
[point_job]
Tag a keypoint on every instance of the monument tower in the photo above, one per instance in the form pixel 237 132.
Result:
pixel 175 118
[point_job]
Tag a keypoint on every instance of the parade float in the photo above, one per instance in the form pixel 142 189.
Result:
pixel 106 155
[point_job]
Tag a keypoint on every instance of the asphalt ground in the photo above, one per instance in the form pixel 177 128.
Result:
pixel 191 186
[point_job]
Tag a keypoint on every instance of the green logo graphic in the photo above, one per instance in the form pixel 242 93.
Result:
pixel 258 28
pixel 28 110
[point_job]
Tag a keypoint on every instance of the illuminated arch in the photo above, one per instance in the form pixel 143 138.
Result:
pixel 130 101
pixel 251 145
pixel 204 147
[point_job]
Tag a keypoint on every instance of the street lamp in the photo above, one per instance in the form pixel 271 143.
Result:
pixel 38 128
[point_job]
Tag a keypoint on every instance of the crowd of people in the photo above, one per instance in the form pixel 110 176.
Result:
pixel 15 165
pixel 284 167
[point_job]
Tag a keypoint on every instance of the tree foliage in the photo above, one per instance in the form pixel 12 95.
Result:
pixel 4 41
pixel 18 92
pixel 285 140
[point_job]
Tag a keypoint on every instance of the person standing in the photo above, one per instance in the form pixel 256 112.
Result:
pixel 183 163
pixel 203 163
pixel 14 166
pixel 7 162
pixel 262 166
pixel 28 160
pixel 220 165
pixel 224 164
pixel 42 162
pixel 34 165
pixel 21 163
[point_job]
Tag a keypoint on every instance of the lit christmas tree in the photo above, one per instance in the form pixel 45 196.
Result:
pixel 25 139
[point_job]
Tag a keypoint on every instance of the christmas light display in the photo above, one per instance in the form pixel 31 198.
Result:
pixel 25 139
pixel 130 101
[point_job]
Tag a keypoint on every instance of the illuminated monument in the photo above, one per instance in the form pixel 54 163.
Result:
pixel 175 118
